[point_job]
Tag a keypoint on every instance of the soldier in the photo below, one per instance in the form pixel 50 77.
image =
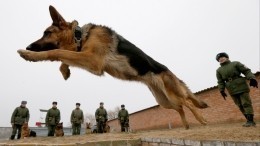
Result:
pixel 20 116
pixel 76 119
pixel 101 117
pixel 228 75
pixel 52 118
pixel 123 118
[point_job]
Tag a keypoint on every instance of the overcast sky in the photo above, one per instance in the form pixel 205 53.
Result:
pixel 184 35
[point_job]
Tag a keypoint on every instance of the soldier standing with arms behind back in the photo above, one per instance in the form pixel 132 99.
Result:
pixel 20 116
pixel 52 118
pixel 101 117
pixel 228 76
pixel 123 118
pixel 76 120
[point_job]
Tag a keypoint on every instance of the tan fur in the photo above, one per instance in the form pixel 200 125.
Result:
pixel 25 131
pixel 99 54
pixel 59 130
pixel 88 128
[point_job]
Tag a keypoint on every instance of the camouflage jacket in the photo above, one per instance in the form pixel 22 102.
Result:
pixel 52 116
pixel 101 114
pixel 20 115
pixel 229 76
pixel 77 116
pixel 123 115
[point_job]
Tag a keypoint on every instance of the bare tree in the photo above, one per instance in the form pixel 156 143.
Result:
pixel 112 114
pixel 90 118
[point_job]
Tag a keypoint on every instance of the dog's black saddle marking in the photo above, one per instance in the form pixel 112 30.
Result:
pixel 138 59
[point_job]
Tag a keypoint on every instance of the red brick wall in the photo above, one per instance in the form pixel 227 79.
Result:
pixel 220 111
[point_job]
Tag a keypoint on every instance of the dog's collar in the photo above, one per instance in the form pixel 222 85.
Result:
pixel 77 37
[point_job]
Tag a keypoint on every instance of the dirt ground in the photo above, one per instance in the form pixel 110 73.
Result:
pixel 222 132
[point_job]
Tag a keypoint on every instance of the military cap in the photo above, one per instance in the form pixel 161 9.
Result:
pixel 222 54
pixel 24 102
pixel 101 103
pixel 122 105
pixel 54 102
pixel 78 104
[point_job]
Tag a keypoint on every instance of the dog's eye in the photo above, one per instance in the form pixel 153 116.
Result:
pixel 46 33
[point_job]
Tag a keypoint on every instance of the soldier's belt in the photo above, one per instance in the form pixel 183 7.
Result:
pixel 231 79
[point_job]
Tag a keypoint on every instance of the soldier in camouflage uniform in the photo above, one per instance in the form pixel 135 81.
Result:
pixel 20 116
pixel 76 119
pixel 101 118
pixel 52 118
pixel 123 118
pixel 228 76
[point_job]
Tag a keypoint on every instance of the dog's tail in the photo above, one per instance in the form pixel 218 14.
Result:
pixel 197 102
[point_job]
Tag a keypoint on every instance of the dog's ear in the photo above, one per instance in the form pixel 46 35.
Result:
pixel 57 19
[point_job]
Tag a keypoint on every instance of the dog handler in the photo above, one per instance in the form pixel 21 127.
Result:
pixel 76 119
pixel 20 115
pixel 228 76
pixel 52 118
pixel 101 117
pixel 123 118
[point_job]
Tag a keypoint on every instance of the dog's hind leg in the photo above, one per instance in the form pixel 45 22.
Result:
pixel 65 71
pixel 183 118
pixel 188 103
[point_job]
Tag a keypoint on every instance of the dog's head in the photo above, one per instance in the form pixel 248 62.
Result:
pixel 56 36
pixel 88 125
pixel 59 126
pixel 25 126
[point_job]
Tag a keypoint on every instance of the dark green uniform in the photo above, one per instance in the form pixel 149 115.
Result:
pixel 101 118
pixel 20 115
pixel 76 120
pixel 123 118
pixel 229 77
pixel 52 119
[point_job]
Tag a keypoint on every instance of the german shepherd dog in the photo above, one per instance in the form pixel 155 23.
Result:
pixel 99 49
pixel 27 132
pixel 59 130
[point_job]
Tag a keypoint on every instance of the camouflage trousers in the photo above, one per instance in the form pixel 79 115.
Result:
pixel 15 128
pixel 51 130
pixel 243 101
pixel 76 129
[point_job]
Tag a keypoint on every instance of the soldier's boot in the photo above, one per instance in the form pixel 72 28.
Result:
pixel 250 120
pixel 12 137
pixel 18 136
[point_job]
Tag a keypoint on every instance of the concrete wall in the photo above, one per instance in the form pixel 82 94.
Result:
pixel 220 111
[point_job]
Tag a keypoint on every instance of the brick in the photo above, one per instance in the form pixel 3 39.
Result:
pixel 178 141
pixel 166 140
pixel 156 140
pixel 148 139
pixel 192 142
pixel 212 143
pixel 246 144
pixel 229 143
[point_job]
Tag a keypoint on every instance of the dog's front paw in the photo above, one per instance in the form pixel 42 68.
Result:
pixel 65 71
pixel 28 55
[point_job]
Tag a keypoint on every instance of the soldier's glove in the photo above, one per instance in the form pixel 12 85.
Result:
pixel 224 95
pixel 97 120
pixel 253 83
